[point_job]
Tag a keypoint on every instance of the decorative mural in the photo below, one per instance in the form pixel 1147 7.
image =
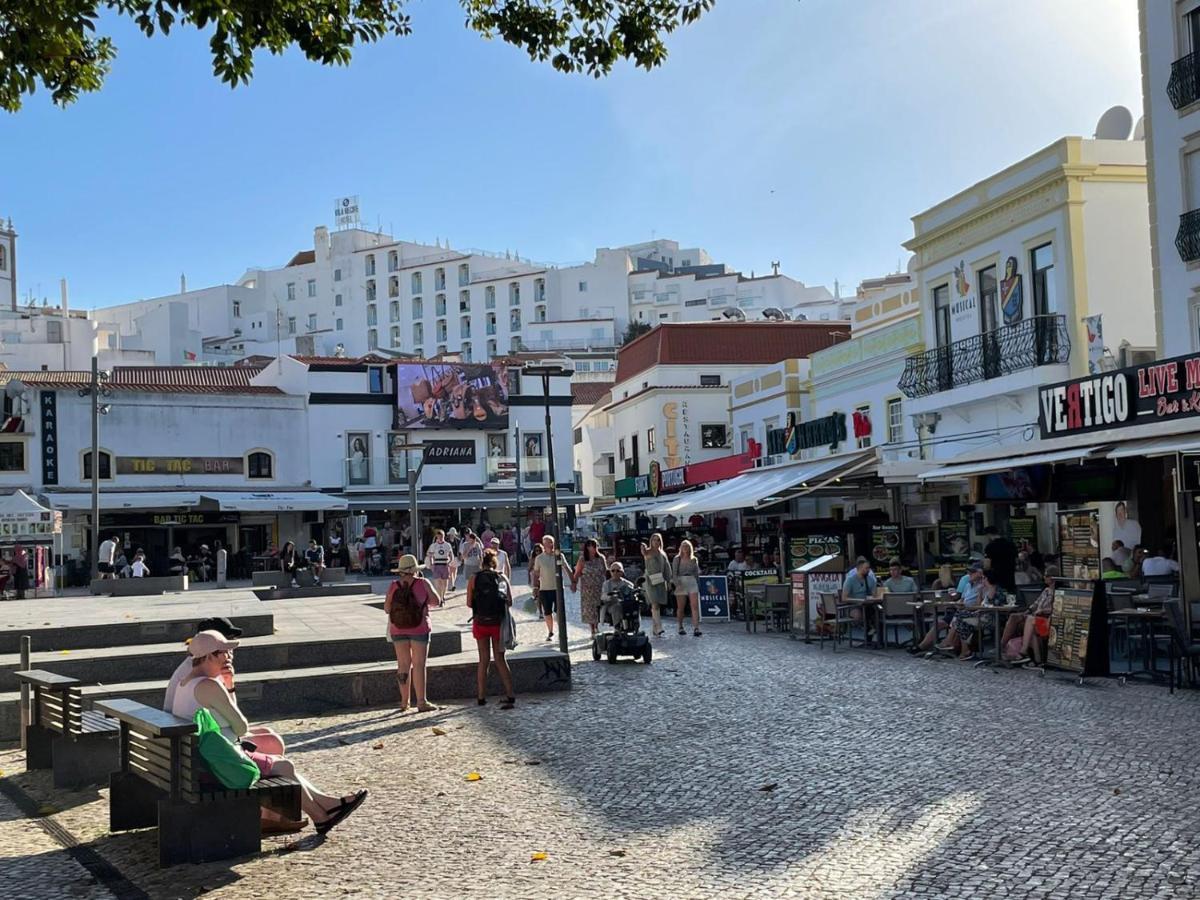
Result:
pixel 1012 299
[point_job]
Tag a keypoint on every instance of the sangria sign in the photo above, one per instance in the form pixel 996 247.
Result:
pixel 1154 392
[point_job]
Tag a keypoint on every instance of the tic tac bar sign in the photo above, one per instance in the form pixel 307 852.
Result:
pixel 1155 392
pixel 179 465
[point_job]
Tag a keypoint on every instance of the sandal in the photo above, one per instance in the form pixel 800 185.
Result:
pixel 340 812
pixel 683 631
pixel 428 707
pixel 509 703
pixel 697 632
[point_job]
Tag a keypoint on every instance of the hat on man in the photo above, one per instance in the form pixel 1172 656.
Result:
pixel 221 624
pixel 207 642
pixel 495 540
pixel 975 567
pixel 406 565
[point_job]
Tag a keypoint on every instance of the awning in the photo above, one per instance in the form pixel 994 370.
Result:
pixel 125 500
pixel 477 499
pixel 276 501
pixel 827 473
pixel 1005 464
pixel 1184 443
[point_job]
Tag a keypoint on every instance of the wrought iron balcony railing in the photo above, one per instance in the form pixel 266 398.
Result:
pixel 1184 85
pixel 1037 341
pixel 1187 239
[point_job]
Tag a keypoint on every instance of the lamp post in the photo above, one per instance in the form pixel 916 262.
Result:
pixel 414 520
pixel 547 372
pixel 97 388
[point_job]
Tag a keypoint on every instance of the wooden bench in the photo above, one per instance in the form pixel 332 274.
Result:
pixel 133 587
pixel 304 577
pixel 79 745
pixel 162 781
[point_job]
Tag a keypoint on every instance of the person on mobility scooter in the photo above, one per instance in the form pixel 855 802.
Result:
pixel 622 607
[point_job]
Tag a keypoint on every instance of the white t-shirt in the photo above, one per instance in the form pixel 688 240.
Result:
pixel 1159 565
pixel 735 566
pixel 440 553
pixel 107 550
pixel 140 569
pixel 173 685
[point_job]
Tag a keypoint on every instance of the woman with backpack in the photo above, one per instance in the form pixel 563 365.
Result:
pixel 489 595
pixel 407 607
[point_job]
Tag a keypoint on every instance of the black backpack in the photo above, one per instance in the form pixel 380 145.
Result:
pixel 489 598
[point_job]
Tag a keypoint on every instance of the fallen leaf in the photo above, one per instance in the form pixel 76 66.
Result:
pixel 473 776
pixel 616 852
pixel 1 773
pixel 1117 792
pixel 533 762
pixel 538 857
pixel 377 746
pixel 441 794
pixel 64 652
pixel 769 787
pixel 440 732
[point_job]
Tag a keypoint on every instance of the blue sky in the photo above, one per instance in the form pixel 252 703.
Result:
pixel 808 131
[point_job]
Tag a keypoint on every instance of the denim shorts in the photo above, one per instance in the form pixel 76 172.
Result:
pixel 412 638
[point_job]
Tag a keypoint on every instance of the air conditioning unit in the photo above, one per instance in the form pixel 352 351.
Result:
pixel 1135 356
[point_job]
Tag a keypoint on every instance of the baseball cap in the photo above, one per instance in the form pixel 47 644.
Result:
pixel 495 541
pixel 207 642
pixel 221 624
pixel 976 567
pixel 406 565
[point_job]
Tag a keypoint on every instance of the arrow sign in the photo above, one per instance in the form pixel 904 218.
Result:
pixel 714 598
pixel 714 610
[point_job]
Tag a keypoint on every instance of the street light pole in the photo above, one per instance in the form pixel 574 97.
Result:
pixel 546 372
pixel 96 390
pixel 414 514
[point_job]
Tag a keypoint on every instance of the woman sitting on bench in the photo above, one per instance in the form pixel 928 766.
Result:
pixel 206 686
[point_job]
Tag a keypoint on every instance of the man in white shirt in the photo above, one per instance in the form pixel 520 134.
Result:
pixel 738 563
pixel 105 556
pixel 503 564
pixel 1159 564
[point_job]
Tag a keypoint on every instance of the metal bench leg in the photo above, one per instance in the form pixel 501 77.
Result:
pixel 209 831
pixel 39 747
pixel 88 760
pixel 132 802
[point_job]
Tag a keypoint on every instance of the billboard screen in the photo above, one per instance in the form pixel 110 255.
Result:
pixel 452 395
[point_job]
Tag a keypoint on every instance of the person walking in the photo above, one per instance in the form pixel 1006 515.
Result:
pixel 545 567
pixel 437 559
pixel 106 557
pixel 685 572
pixel 657 569
pixel 470 551
pixel 591 570
pixel 503 562
pixel 20 565
pixel 489 595
pixel 407 607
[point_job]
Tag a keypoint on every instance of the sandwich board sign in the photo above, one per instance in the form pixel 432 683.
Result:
pixel 714 598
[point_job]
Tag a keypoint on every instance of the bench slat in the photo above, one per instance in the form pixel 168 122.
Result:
pixel 93 722
pixel 144 718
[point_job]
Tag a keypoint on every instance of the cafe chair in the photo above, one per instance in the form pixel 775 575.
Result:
pixel 831 616
pixel 1161 588
pixel 1181 647
pixel 897 614
pixel 1118 627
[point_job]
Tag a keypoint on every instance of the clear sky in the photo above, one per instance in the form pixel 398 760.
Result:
pixel 808 131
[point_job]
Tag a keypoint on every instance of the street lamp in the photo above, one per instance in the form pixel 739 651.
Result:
pixel 97 388
pixel 547 372
pixel 414 524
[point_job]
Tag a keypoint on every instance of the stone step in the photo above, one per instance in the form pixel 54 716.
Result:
pixel 139 587
pixel 325 689
pixel 118 634
pixel 304 577
pixel 117 665
pixel 343 589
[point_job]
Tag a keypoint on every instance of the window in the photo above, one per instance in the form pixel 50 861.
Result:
pixel 650 442
pixel 394 286
pixel 746 435
pixel 583 287
pixel 375 378
pixel 490 323
pixel 464 327
pixel 577 436
pixel 583 366
pixel 621 449
pixel 337 299
pixel 539 291
pixel 464 275
pixel 441 330
pixel 372 339
pixel 514 320
pixel 514 294
pixel 489 297
pixel 416 282
pixel 1041 263
pixel 312 321
pixel 105 464
pixel 439 305
pixel 291 290
pixel 312 287
pixel 291 324
pixel 337 274
pixel 539 314
pixel 862 427
pixel 370 264
pixel 710 381
pixel 394 311
pixel 713 436
pixel 895 420
pixel 418 332
pixel 441 350
pixel 466 351
pixel 464 301
pixel 989 317
pixel 439 279
pixel 418 309
pixel 338 324
pixel 491 349
pixel 395 335
pixel 1190 39
pixel 371 291
pixel 3 259
pixel 259 464
pixel 602 365
pixel 237 309
pixel 393 260
pixel 941 314
pixel 12 456
pixel 372 316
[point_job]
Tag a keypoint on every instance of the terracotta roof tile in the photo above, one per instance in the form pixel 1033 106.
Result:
pixel 588 393
pixel 713 343
pixel 156 379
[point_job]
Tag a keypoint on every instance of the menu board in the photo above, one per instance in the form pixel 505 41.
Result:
pixel 805 548
pixel 1023 528
pixel 806 590
pixel 1070 624
pixel 885 543
pixel 954 541
pixel 1079 544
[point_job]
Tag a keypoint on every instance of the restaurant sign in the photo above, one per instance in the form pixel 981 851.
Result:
pixel 827 431
pixel 179 465
pixel 1155 392
pixel 636 486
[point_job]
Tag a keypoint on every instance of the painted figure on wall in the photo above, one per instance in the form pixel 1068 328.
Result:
pixel 1012 300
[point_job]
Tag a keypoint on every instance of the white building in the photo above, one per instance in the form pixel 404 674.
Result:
pixel 1170 41
pixel 8 265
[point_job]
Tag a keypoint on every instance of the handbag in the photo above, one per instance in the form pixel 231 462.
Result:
pixel 656 578
pixel 508 631
pixel 227 761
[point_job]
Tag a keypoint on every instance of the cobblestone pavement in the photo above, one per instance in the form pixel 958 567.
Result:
pixel 736 765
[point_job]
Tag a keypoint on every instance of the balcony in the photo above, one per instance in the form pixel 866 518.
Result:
pixel 502 471
pixel 1187 239
pixel 1037 341
pixel 1184 85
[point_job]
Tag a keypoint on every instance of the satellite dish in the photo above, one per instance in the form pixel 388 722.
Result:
pixel 1139 130
pixel 734 314
pixel 14 388
pixel 775 314
pixel 1115 125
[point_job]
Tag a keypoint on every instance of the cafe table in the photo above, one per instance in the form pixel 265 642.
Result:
pixel 937 601
pixel 1146 620
pixel 868 606
pixel 996 612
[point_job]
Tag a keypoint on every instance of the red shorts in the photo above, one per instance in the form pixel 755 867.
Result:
pixel 484 632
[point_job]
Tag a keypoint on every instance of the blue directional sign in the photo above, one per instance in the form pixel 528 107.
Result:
pixel 714 598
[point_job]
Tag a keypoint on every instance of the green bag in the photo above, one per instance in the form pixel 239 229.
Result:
pixel 227 761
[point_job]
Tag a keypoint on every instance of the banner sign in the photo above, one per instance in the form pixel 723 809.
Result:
pixel 30 524
pixel 449 453
pixel 49 412
pixel 827 431
pixel 714 598
pixel 452 395
pixel 179 465
pixel 1155 392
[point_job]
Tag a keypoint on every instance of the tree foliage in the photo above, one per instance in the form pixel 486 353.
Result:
pixel 633 330
pixel 55 44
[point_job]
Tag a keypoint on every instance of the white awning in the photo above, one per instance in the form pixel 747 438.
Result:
pixel 1183 443
pixel 1005 464
pixel 276 501
pixel 126 500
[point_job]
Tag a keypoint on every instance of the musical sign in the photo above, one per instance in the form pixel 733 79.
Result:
pixel 179 465
pixel 714 598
